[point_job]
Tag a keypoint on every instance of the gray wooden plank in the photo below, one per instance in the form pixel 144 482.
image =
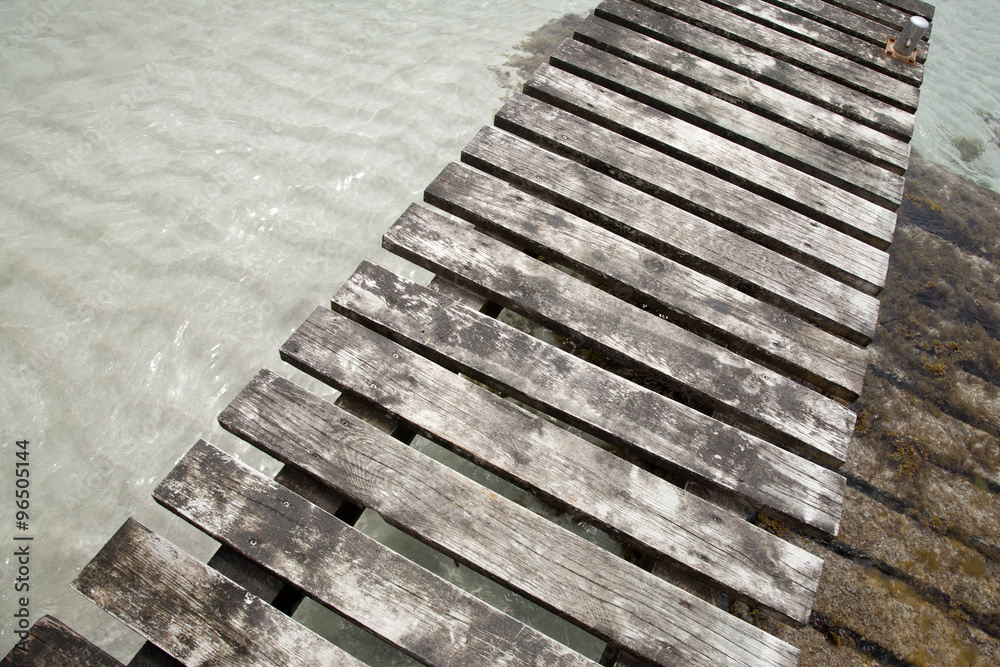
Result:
pixel 677 234
pixel 779 407
pixel 848 22
pixel 846 258
pixel 800 53
pixel 50 642
pixel 765 68
pixel 421 614
pixel 893 14
pixel 817 34
pixel 784 127
pixel 191 611
pixel 705 150
pixel 575 475
pixel 670 435
pixel 698 302
pixel 572 577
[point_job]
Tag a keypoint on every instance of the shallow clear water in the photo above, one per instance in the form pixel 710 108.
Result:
pixel 183 183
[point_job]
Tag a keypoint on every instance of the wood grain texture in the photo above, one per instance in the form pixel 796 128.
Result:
pixel 677 234
pixel 768 69
pixel 52 643
pixel 817 34
pixel 767 223
pixel 894 14
pixel 783 127
pixel 665 432
pixel 383 592
pixel 192 612
pixel 806 56
pixel 730 161
pixel 696 301
pixel 780 408
pixel 849 22
pixel 567 471
pixel 565 573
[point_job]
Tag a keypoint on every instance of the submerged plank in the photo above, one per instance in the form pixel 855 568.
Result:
pixel 677 234
pixel 766 68
pixel 383 592
pixel 734 163
pixel 781 126
pixel 191 611
pixel 767 223
pixel 574 578
pixel 51 642
pixel 802 54
pixel 571 473
pixel 698 302
pixel 815 33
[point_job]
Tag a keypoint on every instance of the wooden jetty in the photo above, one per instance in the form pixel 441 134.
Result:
pixel 696 197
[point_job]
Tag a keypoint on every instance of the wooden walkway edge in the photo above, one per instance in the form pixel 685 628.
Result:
pixel 656 276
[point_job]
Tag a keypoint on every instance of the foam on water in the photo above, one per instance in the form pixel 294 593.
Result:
pixel 183 183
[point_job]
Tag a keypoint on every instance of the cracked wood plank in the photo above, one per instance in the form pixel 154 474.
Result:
pixel 696 301
pixel 574 578
pixel 383 592
pixel 565 470
pixel 734 163
pixel 768 69
pixel 667 433
pixel 850 260
pixel 191 611
pixel 774 123
pixel 775 405
pixel 676 234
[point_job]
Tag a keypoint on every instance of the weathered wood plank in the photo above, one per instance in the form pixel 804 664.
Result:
pixel 777 406
pixel 698 302
pixel 640 508
pixel 50 642
pixel 677 234
pixel 848 259
pixel 666 433
pixel 765 68
pixel 783 127
pixel 847 21
pixel 802 54
pixel 392 597
pixel 191 611
pixel 563 572
pixel 842 44
pixel 893 14
pixel 728 160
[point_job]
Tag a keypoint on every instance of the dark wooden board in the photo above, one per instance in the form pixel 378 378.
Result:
pixel 574 578
pixel 846 258
pixel 191 611
pixel 569 472
pixel 842 44
pixel 52 643
pixel 777 406
pixel 811 58
pixel 783 127
pixel 730 161
pixel 810 86
pixel 849 22
pixel 597 401
pixel 383 592
pixel 677 234
pixel 698 302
